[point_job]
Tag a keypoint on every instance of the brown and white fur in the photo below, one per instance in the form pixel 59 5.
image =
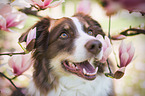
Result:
pixel 60 47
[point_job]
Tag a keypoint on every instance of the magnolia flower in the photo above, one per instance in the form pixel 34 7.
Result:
pixel 43 4
pixel 20 63
pixel 31 39
pixel 126 53
pixel 84 7
pixel 106 45
pixel 10 18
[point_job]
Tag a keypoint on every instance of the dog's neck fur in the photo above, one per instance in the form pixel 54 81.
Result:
pixel 70 86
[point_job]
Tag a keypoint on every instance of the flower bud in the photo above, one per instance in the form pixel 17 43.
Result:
pixel 106 47
pixel 126 53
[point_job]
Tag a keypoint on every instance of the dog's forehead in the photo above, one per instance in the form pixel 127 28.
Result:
pixel 64 22
pixel 68 22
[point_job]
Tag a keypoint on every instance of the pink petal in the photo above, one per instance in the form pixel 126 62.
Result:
pixel 122 48
pixel 15 63
pixel 106 43
pixel 11 62
pixel 123 59
pixel 17 71
pixel 84 7
pixel 131 52
pixel 107 52
pixel 26 62
pixel 31 35
pixel 54 4
pixel 10 20
pixel 107 40
pixel 2 23
pixel 47 2
pixel 100 38
pixel 16 19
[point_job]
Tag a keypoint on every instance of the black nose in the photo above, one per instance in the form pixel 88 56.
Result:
pixel 94 46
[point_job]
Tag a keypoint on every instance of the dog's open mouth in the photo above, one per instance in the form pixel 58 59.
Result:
pixel 82 69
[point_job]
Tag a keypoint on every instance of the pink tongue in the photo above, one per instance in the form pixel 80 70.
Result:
pixel 88 67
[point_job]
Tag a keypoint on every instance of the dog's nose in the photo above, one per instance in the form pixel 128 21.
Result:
pixel 94 46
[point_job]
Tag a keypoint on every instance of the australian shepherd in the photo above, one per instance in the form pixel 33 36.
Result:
pixel 66 58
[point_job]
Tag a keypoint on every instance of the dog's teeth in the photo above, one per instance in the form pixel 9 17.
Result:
pixel 70 64
pixel 87 73
pixel 96 70
pixel 73 66
pixel 84 71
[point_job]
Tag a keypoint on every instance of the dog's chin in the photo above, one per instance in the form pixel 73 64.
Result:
pixel 82 69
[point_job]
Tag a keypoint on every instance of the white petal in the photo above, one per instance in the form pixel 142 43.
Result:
pixel 5 8
pixel 39 2
pixel 21 4
pixel 10 72
pixel 55 3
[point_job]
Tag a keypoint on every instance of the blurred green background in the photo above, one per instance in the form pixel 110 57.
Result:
pixel 133 82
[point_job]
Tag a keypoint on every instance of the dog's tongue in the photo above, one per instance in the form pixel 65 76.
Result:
pixel 88 67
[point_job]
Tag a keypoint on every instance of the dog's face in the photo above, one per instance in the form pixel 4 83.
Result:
pixel 65 47
pixel 73 47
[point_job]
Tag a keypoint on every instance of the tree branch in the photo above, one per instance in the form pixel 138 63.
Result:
pixel 29 11
pixel 109 66
pixel 10 54
pixel 132 32
pixel 3 75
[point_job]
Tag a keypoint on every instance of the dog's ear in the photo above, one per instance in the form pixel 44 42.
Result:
pixel 42 34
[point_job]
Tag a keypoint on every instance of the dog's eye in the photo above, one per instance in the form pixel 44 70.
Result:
pixel 63 35
pixel 90 32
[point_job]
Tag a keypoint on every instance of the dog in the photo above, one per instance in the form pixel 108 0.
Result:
pixel 66 58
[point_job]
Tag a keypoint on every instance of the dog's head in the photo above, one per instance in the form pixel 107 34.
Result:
pixel 66 46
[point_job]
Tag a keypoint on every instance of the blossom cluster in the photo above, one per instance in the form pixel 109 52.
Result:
pixel 126 53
